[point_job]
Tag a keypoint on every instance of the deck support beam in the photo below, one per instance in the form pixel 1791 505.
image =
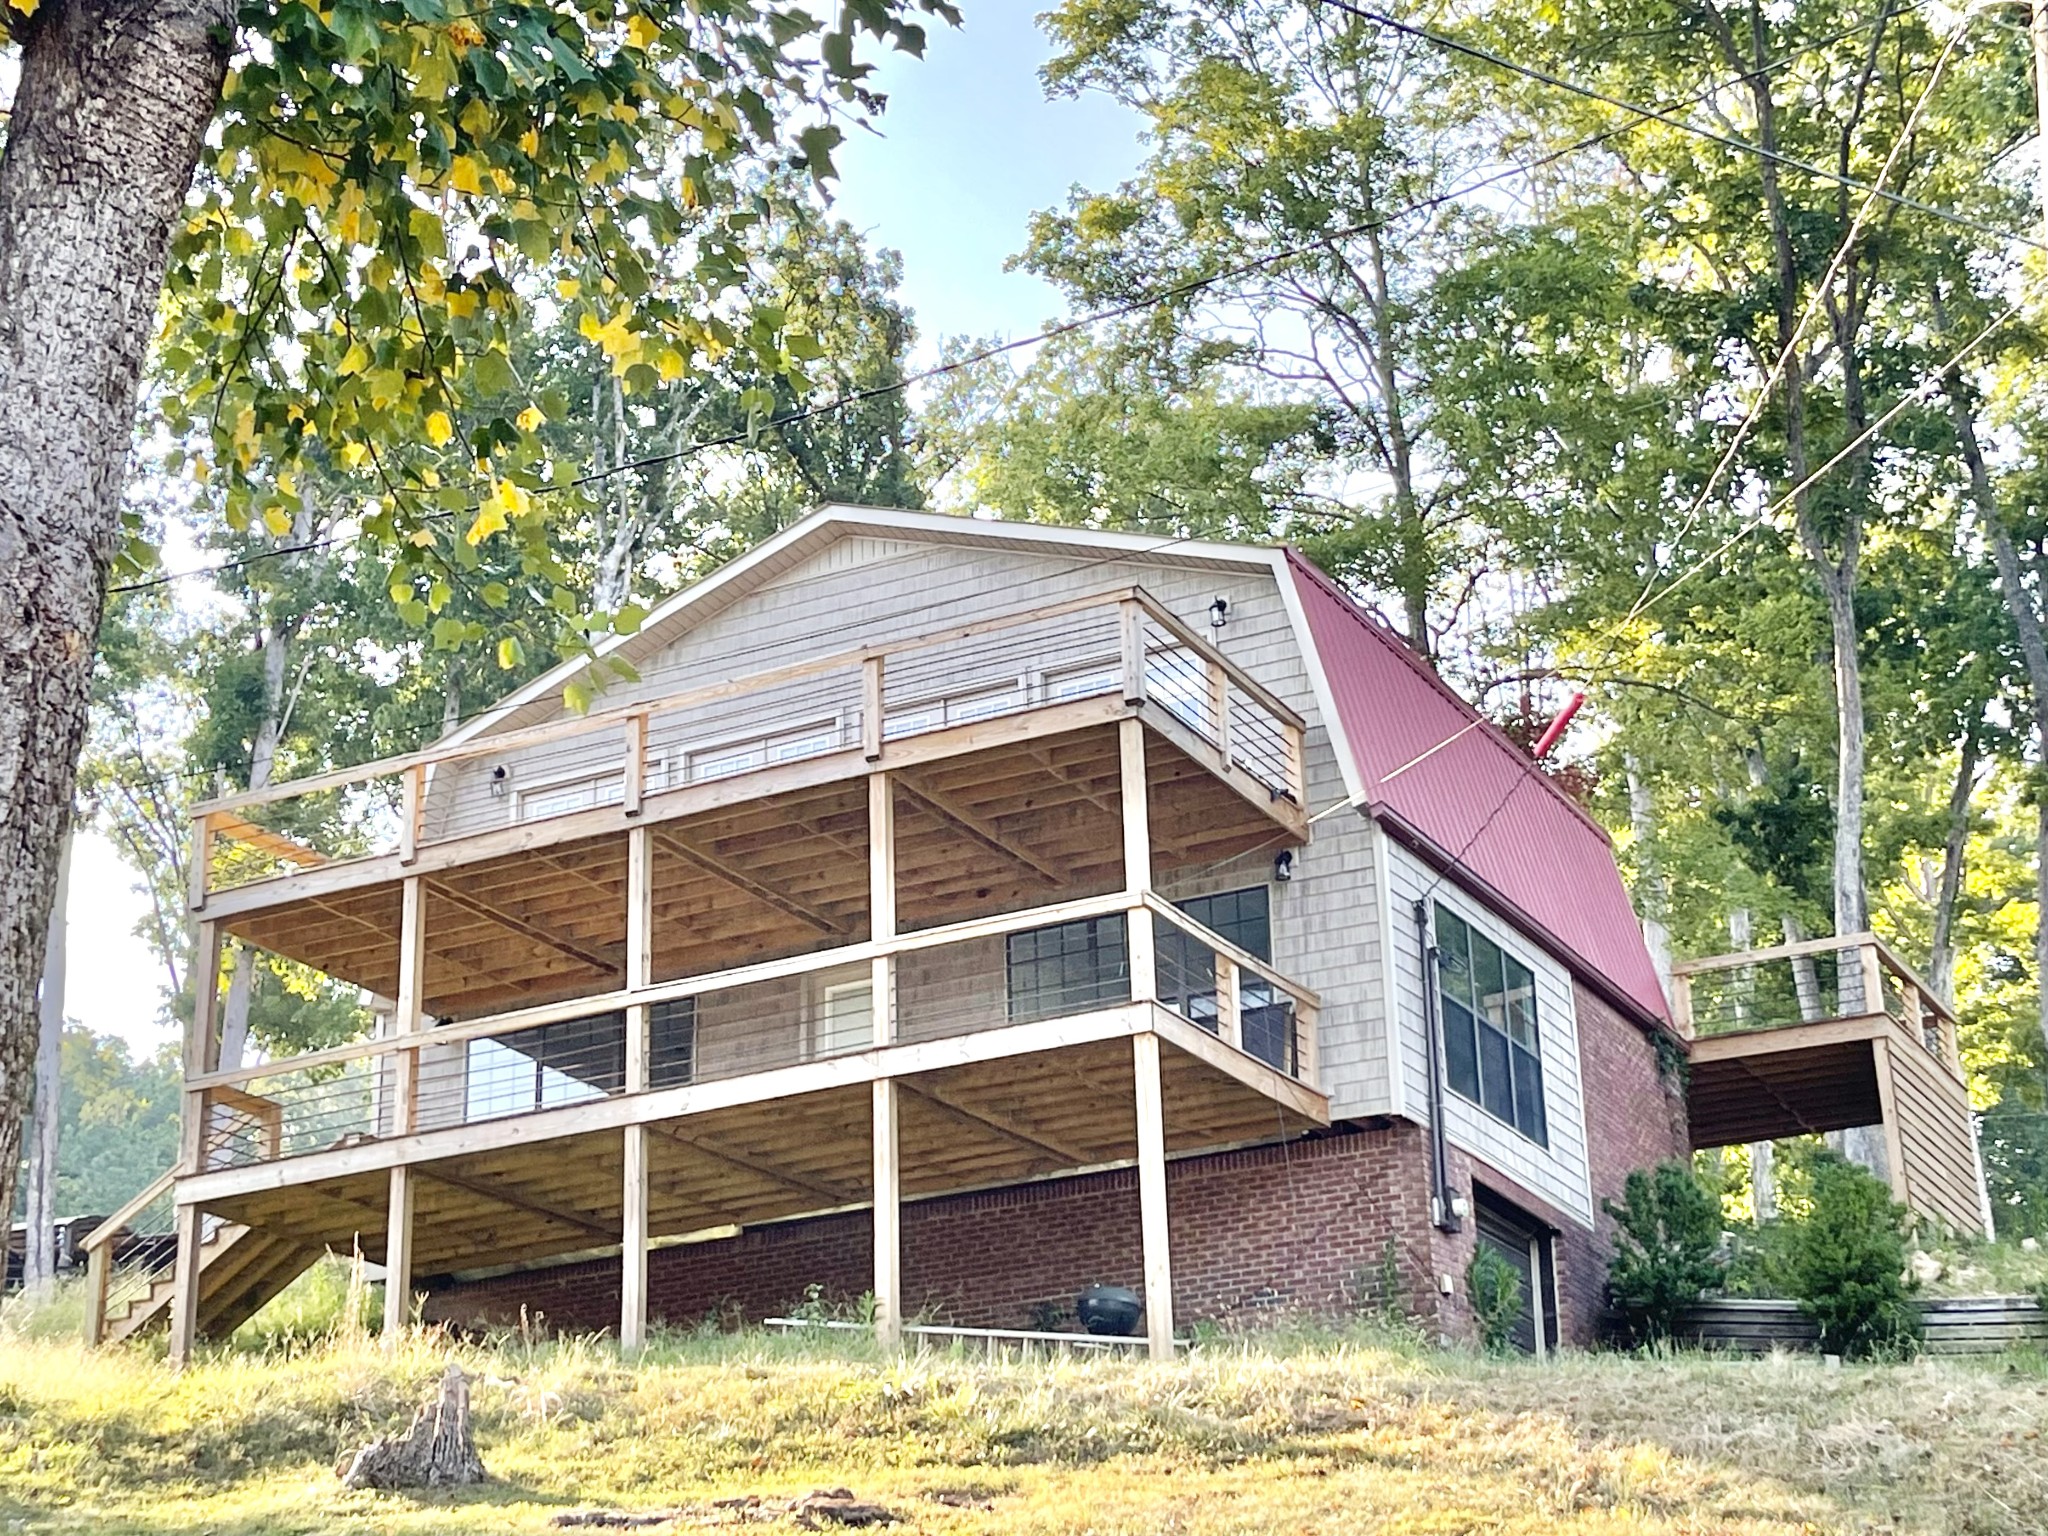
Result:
pixel 888 1180
pixel 633 1232
pixel 187 1264
pixel 398 1258
pixel 1152 1217
pixel 888 1218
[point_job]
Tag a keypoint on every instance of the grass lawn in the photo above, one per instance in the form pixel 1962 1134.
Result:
pixel 1356 1433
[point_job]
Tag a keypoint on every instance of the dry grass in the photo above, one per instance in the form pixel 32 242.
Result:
pixel 1324 1435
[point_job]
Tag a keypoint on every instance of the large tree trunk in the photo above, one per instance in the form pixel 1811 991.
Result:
pixel 1941 949
pixel 108 121
pixel 2026 620
pixel 39 1251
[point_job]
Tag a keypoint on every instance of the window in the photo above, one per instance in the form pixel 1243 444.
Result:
pixel 763 751
pixel 581 794
pixel 672 1043
pixel 845 1019
pixel 1083 682
pixel 1488 1003
pixel 1187 972
pixel 1067 968
pixel 953 709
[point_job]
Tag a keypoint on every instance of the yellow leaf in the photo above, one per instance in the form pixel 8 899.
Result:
pixel 462 304
pixel 355 360
pixel 529 142
pixel 353 454
pixel 465 175
pixel 531 419
pixel 277 520
pixel 642 32
pixel 288 485
pixel 568 287
pixel 490 519
pixel 619 343
pixel 671 364
pixel 439 428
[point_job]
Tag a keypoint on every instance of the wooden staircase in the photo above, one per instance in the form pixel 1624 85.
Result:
pixel 240 1268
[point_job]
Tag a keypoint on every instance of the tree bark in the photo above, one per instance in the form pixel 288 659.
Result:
pixel 2026 620
pixel 108 121
pixel 39 1251
pixel 1941 949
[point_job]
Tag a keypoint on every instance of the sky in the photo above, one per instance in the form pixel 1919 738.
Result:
pixel 968 149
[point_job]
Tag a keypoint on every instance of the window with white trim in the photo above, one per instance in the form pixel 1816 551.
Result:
pixel 1487 1001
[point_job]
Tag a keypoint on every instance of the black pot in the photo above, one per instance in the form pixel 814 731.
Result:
pixel 1113 1310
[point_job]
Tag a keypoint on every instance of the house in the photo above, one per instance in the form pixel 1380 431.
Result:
pixel 958 911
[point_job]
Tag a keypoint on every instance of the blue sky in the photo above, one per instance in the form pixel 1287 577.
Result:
pixel 968 149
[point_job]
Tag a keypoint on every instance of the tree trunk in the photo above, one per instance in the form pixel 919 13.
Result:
pixel 39 1253
pixel 1941 949
pixel 108 121
pixel 2026 620
pixel 438 1451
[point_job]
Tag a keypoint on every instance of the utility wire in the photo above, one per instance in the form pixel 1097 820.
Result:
pixel 1666 117
pixel 1083 322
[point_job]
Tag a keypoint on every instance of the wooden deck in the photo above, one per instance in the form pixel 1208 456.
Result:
pixel 609 964
pixel 1830 1035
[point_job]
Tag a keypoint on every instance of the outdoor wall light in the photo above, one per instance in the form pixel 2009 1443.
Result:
pixel 1219 611
pixel 499 775
pixel 1283 865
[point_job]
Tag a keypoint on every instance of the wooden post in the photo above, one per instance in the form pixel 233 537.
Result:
pixel 412 810
pixel 633 1225
pixel 1131 618
pixel 633 1246
pixel 1219 701
pixel 202 1046
pixel 1229 1009
pixel 871 708
pixel 882 902
pixel 408 1017
pixel 1308 1044
pixel 99 1278
pixel 634 785
pixel 1138 930
pixel 199 872
pixel 1888 1106
pixel 398 1258
pixel 1681 1003
pixel 1873 977
pixel 1152 1219
pixel 186 1266
pixel 888 1219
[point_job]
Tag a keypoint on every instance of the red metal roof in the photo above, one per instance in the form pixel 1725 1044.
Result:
pixel 1478 802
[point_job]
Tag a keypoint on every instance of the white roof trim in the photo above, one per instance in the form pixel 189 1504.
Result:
pixel 1319 679
pixel 887 520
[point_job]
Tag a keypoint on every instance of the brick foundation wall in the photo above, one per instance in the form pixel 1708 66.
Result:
pixel 1290 1228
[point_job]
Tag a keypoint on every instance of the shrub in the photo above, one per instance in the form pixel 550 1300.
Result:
pixel 1496 1291
pixel 1846 1264
pixel 1666 1248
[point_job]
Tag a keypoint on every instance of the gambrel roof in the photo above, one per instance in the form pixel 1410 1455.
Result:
pixel 1475 806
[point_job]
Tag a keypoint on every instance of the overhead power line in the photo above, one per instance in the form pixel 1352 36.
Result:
pixel 1150 299
pixel 1668 117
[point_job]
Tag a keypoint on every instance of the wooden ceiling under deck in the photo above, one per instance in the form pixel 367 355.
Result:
pixel 990 1123
pixel 1009 827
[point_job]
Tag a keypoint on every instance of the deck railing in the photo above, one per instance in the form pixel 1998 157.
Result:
pixel 1806 983
pixel 951 981
pixel 1119 643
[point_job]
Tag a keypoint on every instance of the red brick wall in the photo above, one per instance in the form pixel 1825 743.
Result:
pixel 1635 1118
pixel 1299 1227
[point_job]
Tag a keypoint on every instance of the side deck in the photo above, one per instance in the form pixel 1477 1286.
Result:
pixel 1830 1035
pixel 631 977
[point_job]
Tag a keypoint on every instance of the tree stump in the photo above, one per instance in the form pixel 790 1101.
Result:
pixel 438 1451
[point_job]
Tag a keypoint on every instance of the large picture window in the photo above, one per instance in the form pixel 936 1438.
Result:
pixel 1487 1001
pixel 1067 968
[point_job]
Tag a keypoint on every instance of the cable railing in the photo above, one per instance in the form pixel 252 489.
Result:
pixel 1051 962
pixel 1811 982
pixel 853 704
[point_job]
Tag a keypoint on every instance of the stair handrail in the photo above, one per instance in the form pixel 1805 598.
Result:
pixel 99 1257
pixel 111 1228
